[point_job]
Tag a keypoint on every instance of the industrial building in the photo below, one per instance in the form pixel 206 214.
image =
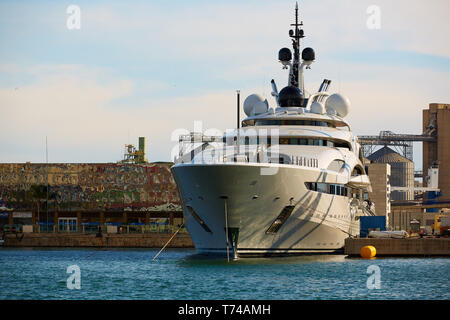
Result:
pixel 82 196
pixel 380 175
pixel 391 171
pixel 401 172
pixel 436 120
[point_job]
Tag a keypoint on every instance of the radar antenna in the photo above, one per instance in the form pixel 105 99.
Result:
pixel 294 94
pixel 296 36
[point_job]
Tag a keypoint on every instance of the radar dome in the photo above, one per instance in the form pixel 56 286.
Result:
pixel 308 54
pixel 255 104
pixel 290 96
pixel 285 55
pixel 260 107
pixel 338 103
pixel 317 107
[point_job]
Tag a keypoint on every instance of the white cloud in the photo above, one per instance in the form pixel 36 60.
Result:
pixel 76 111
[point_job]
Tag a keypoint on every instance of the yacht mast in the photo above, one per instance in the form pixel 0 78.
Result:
pixel 296 36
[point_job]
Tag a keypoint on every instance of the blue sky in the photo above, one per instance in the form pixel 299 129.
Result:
pixel 150 68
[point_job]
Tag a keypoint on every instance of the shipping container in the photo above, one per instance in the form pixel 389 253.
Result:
pixel 371 223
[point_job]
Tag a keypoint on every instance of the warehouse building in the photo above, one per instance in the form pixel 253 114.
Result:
pixel 85 195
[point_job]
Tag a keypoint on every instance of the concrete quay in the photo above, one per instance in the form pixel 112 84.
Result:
pixel 420 247
pixel 150 240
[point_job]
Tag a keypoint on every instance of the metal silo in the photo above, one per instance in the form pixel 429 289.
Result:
pixel 402 172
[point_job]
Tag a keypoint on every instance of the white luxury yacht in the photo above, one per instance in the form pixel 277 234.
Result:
pixel 288 180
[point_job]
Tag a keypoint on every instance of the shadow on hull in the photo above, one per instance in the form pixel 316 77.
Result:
pixel 258 253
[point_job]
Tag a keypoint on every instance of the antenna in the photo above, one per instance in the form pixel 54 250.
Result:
pixel 238 92
pixel 296 35
pixel 296 83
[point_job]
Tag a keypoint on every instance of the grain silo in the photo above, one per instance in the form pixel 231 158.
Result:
pixel 402 172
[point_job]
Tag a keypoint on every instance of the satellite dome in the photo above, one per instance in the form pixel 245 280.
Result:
pixel 331 112
pixel 284 55
pixel 308 54
pixel 290 96
pixel 260 107
pixel 317 107
pixel 255 104
pixel 338 103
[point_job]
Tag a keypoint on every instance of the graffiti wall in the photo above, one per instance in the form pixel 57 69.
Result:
pixel 99 186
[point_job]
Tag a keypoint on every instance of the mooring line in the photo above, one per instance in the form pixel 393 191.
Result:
pixel 168 242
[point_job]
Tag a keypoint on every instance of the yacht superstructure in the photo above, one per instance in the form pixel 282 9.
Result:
pixel 290 180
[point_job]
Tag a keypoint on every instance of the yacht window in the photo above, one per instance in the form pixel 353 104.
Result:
pixel 357 171
pixel 292 141
pixel 280 220
pixel 322 187
pixel 294 123
pixel 336 189
pixel 277 122
pixel 342 145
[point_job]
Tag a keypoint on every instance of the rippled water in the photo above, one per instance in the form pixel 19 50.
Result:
pixel 181 274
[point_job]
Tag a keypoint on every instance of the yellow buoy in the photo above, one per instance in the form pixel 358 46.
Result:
pixel 368 252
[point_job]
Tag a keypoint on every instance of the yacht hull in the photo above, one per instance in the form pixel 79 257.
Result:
pixel 230 208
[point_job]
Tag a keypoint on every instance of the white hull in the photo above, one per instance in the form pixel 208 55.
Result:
pixel 319 222
pixel 288 180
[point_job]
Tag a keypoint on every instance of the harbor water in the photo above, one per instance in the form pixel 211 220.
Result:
pixel 181 274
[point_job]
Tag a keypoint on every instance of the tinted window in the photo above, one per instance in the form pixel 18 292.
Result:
pixel 293 141
pixel 293 123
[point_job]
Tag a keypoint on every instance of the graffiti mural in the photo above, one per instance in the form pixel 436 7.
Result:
pixel 90 186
